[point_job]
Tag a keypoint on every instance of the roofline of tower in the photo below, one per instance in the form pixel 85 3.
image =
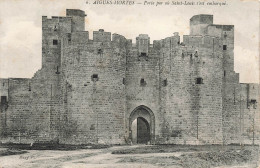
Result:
pixel 201 15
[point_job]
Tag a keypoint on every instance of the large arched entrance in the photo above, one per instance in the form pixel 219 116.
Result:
pixel 141 125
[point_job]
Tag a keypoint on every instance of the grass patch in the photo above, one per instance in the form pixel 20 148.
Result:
pixel 159 161
pixel 218 158
pixel 171 148
pixel 204 156
pixel 7 152
pixel 52 146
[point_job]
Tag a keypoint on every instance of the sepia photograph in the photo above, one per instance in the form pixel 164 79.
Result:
pixel 129 83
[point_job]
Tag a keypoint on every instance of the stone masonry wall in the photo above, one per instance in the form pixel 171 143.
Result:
pixel 190 117
pixel 94 92
pixel 87 90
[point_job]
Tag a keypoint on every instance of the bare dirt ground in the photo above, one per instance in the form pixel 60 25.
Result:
pixel 139 156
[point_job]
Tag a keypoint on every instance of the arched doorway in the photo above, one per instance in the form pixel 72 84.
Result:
pixel 141 125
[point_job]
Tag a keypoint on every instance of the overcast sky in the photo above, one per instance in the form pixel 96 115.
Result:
pixel 20 28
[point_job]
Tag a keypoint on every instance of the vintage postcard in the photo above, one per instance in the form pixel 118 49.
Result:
pixel 129 83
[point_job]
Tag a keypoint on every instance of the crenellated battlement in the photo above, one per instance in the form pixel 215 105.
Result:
pixel 75 12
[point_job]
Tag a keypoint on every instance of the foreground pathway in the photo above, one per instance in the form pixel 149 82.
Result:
pixel 94 158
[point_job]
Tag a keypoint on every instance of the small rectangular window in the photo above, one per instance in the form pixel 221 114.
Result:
pixel 55 28
pixel 3 100
pixel 176 133
pixel 142 82
pixel 55 42
pixel 253 101
pixel 29 89
pixel 57 72
pixel 94 77
pixel 143 54
pixel 165 82
pixel 199 81
pixel 69 37
pixel 224 47
pixel 92 127
pixel 100 51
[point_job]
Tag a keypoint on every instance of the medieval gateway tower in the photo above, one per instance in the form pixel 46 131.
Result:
pixel 115 92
